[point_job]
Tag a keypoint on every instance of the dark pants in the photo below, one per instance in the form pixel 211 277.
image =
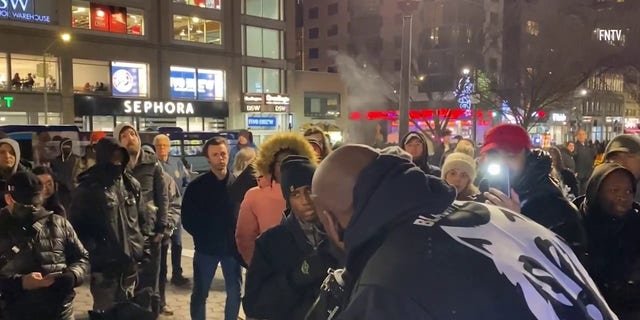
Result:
pixel 108 290
pixel 162 280
pixel 176 251
pixel 204 269
pixel 150 271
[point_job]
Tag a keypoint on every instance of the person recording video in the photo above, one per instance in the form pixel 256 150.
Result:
pixel 527 186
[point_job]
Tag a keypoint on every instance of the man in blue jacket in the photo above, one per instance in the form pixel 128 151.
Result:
pixel 209 215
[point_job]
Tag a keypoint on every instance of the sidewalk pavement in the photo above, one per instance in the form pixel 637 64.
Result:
pixel 177 298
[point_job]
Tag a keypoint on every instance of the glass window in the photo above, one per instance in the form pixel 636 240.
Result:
pixel 91 76
pixel 533 28
pixel 314 53
pixel 210 4
pixel 29 72
pixel 262 80
pixel 314 13
pixel 270 9
pixel 86 15
pixel 129 79
pixel 211 84
pixel 314 33
pixel 332 31
pixel 263 43
pixel 332 9
pixel 4 73
pixel 182 83
pixel 194 29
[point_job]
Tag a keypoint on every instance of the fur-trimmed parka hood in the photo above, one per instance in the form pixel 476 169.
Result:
pixel 292 142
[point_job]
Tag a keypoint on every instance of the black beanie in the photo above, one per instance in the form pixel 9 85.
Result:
pixel 25 188
pixel 295 172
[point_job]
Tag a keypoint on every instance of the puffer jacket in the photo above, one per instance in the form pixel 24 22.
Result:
pixel 49 244
pixel 150 174
pixel 542 201
pixel 107 213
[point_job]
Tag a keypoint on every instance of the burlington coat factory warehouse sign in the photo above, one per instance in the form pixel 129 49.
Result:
pixel 86 105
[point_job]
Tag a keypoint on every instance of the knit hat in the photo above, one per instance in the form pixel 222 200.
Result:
pixel 121 127
pixel 508 137
pixel 24 188
pixel 629 143
pixel 460 162
pixel 296 171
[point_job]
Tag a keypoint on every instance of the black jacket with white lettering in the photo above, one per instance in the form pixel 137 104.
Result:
pixel 413 256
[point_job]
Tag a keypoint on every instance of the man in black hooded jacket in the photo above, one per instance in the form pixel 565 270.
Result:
pixel 415 144
pixel 414 254
pixel 107 214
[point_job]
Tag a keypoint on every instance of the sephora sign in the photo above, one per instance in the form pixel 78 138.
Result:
pixel 28 10
pixel 158 107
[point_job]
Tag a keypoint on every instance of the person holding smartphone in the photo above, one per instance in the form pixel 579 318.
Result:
pixel 529 188
pixel 41 258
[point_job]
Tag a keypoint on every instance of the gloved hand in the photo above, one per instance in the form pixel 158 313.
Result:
pixel 312 269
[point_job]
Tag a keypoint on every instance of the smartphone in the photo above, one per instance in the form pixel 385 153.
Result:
pixel 497 176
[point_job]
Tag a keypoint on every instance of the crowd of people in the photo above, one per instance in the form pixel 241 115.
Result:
pixel 351 232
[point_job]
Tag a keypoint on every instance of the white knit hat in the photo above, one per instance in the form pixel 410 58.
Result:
pixel 461 162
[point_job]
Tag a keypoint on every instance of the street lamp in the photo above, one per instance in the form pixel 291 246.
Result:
pixel 406 7
pixel 466 71
pixel 64 37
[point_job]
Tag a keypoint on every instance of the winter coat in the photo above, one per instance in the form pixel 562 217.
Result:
pixel 242 183
pixel 542 201
pixel 567 159
pixel 65 167
pixel 260 210
pixel 149 173
pixel 286 272
pixel 48 244
pixel 175 206
pixel 176 170
pixel 54 205
pixel 209 214
pixel 106 211
pixel 414 255
pixel 569 184
pixel 423 160
pixel 614 249
pixel 17 167
pixel 584 157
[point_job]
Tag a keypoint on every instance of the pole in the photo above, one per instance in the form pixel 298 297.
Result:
pixel 405 78
pixel 474 108
pixel 46 89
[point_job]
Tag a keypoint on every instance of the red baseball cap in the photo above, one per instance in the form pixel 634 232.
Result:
pixel 508 137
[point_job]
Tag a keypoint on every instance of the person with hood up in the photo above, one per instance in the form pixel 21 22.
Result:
pixel 50 190
pixel 625 151
pixel 534 192
pixel 567 155
pixel 107 213
pixel 145 167
pixel 612 221
pixel 245 139
pixel 9 164
pixel 291 259
pixel 415 144
pixel 319 141
pixel 412 253
pixel 66 165
pixel 459 171
pixel 264 205
pixel 566 179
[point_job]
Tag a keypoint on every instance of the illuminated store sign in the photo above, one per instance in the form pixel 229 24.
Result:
pixel 157 107
pixel 26 10
pixel 6 102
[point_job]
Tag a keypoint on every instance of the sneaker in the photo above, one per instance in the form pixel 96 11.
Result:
pixel 167 311
pixel 180 281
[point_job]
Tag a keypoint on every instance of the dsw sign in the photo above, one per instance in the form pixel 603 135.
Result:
pixel 23 10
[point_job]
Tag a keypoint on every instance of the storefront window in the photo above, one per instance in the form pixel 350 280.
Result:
pixel 191 83
pixel 93 16
pixel 4 73
pixel 28 72
pixel 129 79
pixel 91 76
pixel 262 43
pixel 194 29
pixel 102 123
pixel 262 80
pixel 209 4
pixel 270 9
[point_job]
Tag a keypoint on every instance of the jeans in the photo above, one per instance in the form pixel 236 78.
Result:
pixel 162 280
pixel 176 251
pixel 204 269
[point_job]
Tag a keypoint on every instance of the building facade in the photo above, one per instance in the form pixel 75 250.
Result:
pixel 186 63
